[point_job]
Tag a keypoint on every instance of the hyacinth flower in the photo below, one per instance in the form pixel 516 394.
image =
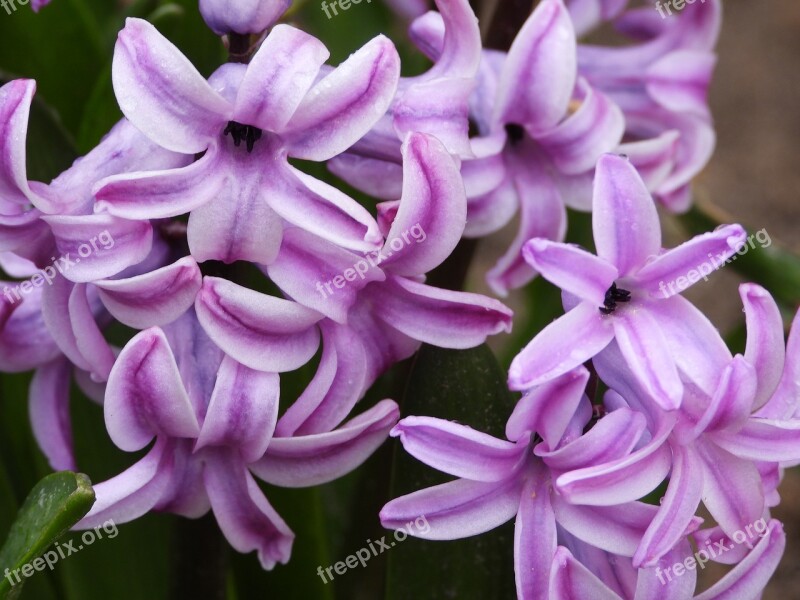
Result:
pixel 573 579
pixel 588 14
pixel 435 102
pixel 621 293
pixel 213 420
pixel 384 310
pixel 498 479
pixel 242 17
pixel 721 450
pixel 661 84
pixel 247 122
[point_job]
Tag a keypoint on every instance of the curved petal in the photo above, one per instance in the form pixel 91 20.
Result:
pixel 163 193
pixel 595 128
pixel 535 538
pixel 457 509
pixel 749 578
pixel 88 338
pixel 245 517
pixel 341 108
pixel 731 404
pixel 549 408
pixel 145 396
pixel 242 16
pixel 123 243
pixel 679 81
pixel 626 228
pixel 553 351
pixel 155 298
pixel 677 508
pixel 491 212
pixel 322 275
pixel 766 440
pixel 340 382
pixel 458 450
pixel 460 50
pixel 15 103
pixel 134 492
pixel 538 77
pixel 278 77
pixel 571 268
pixel 48 409
pixel 261 332
pixel 642 343
pixel 432 212
pixel 440 317
pixel 242 412
pixel 765 347
pixel 570 580
pixel 309 460
pixel 162 94
pixel 675 270
pixel 25 340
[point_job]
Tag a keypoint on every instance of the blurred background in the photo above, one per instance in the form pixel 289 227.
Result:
pixel 754 176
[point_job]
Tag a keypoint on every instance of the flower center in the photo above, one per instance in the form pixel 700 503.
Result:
pixel 614 295
pixel 239 132
pixel 516 133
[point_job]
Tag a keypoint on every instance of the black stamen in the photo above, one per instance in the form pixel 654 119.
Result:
pixel 239 133
pixel 614 295
pixel 516 133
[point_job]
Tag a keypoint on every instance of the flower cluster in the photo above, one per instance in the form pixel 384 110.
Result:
pixel 630 396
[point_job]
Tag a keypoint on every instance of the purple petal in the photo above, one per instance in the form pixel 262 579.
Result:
pixel 278 77
pixel 458 450
pixel 460 50
pixel 145 396
pixel 341 108
pixel 732 489
pixel 553 351
pixel 89 339
pixel 244 515
pixel 534 538
pixel 49 414
pixel 594 129
pixel 644 347
pixel 153 299
pixel 763 440
pixel 261 332
pixel 548 409
pixel 161 92
pixel 765 347
pixel 162 193
pixel 749 578
pixel 309 460
pixel 675 270
pixel 731 404
pixel 440 317
pixel 679 82
pixel 134 492
pixel 243 410
pixel 571 268
pixel 242 16
pixel 433 209
pixel 457 509
pixel 538 77
pixel 626 228
pixel 677 508
pixel 122 243
pixel 570 580
pixel 614 529
pixel 338 384
pixel 15 102
pixel 321 275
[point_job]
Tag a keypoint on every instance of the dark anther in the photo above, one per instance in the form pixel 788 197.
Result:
pixel 614 295
pixel 516 133
pixel 247 133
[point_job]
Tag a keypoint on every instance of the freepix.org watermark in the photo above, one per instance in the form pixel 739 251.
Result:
pixel 712 264
pixel 60 265
pixel 759 529
pixel 343 5
pixel 60 551
pixel 368 552
pixel 373 259
pixel 11 5
pixel 665 8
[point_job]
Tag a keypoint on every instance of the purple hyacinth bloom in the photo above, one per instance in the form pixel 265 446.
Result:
pixel 242 16
pixel 37 5
pixel 213 421
pixel 248 120
pixel 620 293
pixel 573 579
pixel 499 479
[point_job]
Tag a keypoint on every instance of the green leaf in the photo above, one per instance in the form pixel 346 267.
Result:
pixel 54 505
pixel 467 386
